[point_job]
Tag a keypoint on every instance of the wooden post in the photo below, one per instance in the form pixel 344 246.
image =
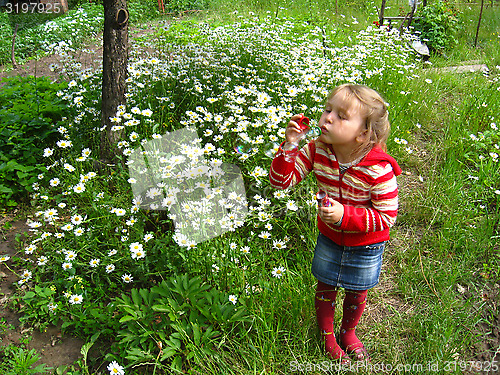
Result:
pixel 13 56
pixel 64 5
pixel 55 6
pixel 412 13
pixel 161 7
pixel 381 15
pixel 479 22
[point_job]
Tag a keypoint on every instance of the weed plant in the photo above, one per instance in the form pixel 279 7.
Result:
pixel 30 112
pixel 98 251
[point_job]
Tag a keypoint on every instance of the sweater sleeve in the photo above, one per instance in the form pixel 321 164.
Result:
pixel 285 174
pixel 384 206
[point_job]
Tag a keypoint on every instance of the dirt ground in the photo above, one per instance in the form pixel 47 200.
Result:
pixel 89 57
pixel 54 348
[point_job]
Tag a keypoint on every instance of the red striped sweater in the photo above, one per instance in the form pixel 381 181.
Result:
pixel 368 190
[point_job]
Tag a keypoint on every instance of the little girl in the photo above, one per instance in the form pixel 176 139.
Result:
pixel 351 166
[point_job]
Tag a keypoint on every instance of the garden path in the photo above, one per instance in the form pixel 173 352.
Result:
pixel 88 57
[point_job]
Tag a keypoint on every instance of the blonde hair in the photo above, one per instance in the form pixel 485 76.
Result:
pixel 373 108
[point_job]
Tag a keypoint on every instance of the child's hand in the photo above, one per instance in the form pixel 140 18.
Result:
pixel 332 214
pixel 293 131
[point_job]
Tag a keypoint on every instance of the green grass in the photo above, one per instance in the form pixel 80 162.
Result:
pixel 444 248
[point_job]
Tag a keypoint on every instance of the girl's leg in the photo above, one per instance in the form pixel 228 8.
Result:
pixel 325 311
pixel 354 305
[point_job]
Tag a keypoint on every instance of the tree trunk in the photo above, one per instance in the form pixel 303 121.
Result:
pixel 114 74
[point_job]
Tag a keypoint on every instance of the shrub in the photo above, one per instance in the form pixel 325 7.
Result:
pixel 178 321
pixel 5 36
pixel 141 11
pixel 438 24
pixel 28 118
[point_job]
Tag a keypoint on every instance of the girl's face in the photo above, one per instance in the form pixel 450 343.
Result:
pixel 342 123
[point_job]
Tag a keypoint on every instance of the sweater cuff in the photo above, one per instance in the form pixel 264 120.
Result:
pixel 339 223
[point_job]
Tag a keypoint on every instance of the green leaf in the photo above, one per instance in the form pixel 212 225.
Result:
pixel 146 296
pixel 196 333
pixel 168 353
pixel 174 342
pixel 177 364
pixel 5 189
pixel 161 308
pixel 136 297
pixel 29 295
pixel 126 318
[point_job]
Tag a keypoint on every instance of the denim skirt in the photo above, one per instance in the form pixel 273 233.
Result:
pixel 349 267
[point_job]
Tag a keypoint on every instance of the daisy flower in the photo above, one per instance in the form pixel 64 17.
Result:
pixel 139 254
pixel 76 299
pixel 35 224
pixel 127 278
pixel 69 167
pixel 119 211
pixel 291 205
pixel 64 143
pixel 136 246
pixel 115 369
pixel 79 188
pixel 278 272
pixel 110 268
pixel 67 266
pixel 29 249
pixel 52 307
pixel 147 112
pixel 70 255
pixel 48 152
pixel 279 245
pixel 265 235
pixel 67 227
pixel 233 299
pixel 76 219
